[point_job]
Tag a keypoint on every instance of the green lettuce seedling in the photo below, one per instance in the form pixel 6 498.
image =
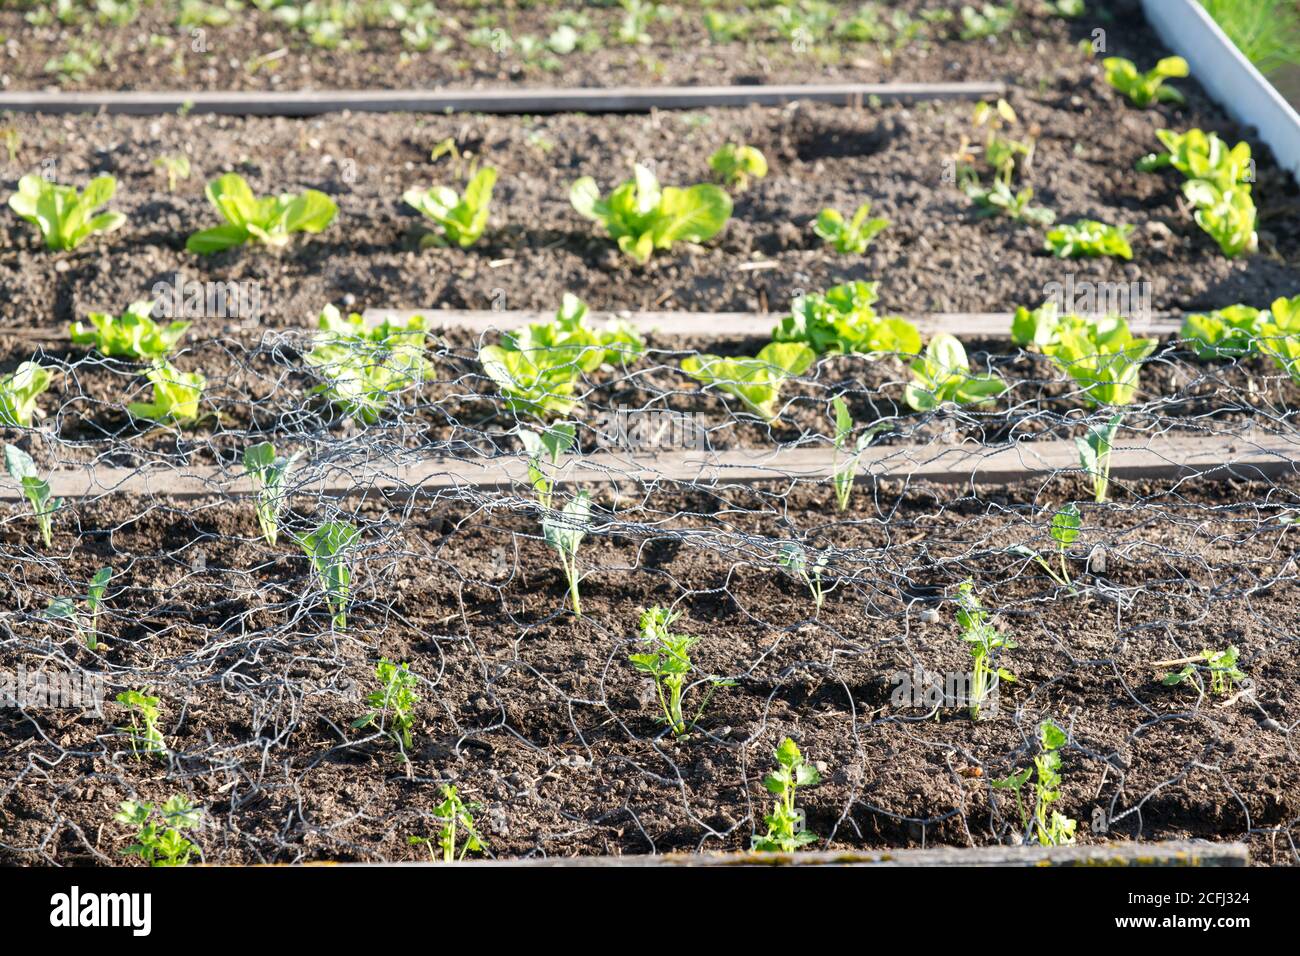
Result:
pixel 364 367
pixel 133 335
pixel 1094 455
pixel 1089 239
pixel 64 217
pixel 461 218
pixel 176 395
pixel 1221 665
pixel 1034 328
pixel 795 559
pixel 1103 357
pixel 455 815
pixel 1279 336
pixel 1143 89
pixel 852 237
pixel 943 374
pixel 1064 531
pixel 36 489
pixel 392 707
pixel 844 466
pixel 539 383
pixel 641 217
pixel 988 21
pixel 19 391
pixel 268 472
pixel 544 449
pixel 999 199
pixel 564 532
pixel 735 164
pixel 161 842
pixel 842 320
pixel 755 381
pixel 329 549
pixel 785 824
pixel 65 609
pixel 1051 827
pixel 1224 333
pixel 668 662
pixel 985 641
pixel 143 733
pixel 271 220
pixel 1227 216
pixel 1218 185
pixel 568 338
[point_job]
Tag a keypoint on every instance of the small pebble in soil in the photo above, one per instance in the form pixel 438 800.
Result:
pixel 929 615
pixel 1097 560
pixel 1268 723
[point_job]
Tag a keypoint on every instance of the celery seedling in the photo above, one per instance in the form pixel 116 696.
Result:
pixel 852 237
pixel 63 216
pixel 461 218
pixel 329 548
pixel 735 164
pixel 271 220
pixel 65 609
pixel 392 707
pixel 755 381
pixel 1051 826
pixel 785 824
pixel 985 642
pixel 1222 666
pixel 144 733
pixel 176 395
pixel 455 814
pixel 36 489
pixel 133 335
pixel 668 662
pixel 161 843
pixel 564 532
pixel 943 374
pixel 544 448
pixel 268 472
pixel 1143 89
pixel 1094 455
pixel 19 391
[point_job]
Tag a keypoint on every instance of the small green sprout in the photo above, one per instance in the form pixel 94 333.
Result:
pixel 133 335
pixel 1065 531
pixel 668 662
pixel 63 216
pixel 268 472
pixel 755 381
pixel 174 167
pixel 564 532
pixel 544 448
pixel 393 705
pixel 1094 455
pixel 1222 666
pixel 455 814
pixel 271 220
pixel 1089 239
pixel 987 22
pixel 1143 89
pixel 65 609
pixel 985 642
pixel 785 824
pixel 943 374
pixel 844 466
pixel 36 489
pixel 143 732
pixel 329 548
pixel 1000 199
pixel 852 237
pixel 735 164
pixel 161 842
pixel 176 395
pixel 461 218
pixel 1051 826
pixel 19 391
pixel 795 559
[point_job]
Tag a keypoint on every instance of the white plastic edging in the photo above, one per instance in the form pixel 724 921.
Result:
pixel 1228 76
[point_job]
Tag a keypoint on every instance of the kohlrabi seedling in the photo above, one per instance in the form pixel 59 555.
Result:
pixel 65 218
pixel 943 374
pixel 1143 89
pixel 144 734
pixel 159 832
pixel 462 219
pixel 544 449
pixel 271 220
pixel 176 395
pixel 1089 239
pixel 851 237
pixel 667 661
pixel 19 391
pixel 455 815
pixel 1220 665
pixel 1103 357
pixel 786 830
pixel 755 381
pixel 985 642
pixel 564 532
pixel 65 609
pixel 842 320
pixel 735 164
pixel 392 706
pixel 641 217
pixel 1094 455
pixel 1064 531
pixel 134 335
pixel 329 548
pixel 36 489
pixel 268 472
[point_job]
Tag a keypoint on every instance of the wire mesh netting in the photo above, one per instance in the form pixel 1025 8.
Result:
pixel 450 509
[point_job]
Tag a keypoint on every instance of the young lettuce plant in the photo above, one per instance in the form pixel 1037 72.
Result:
pixel 19 391
pixel 392 707
pixel 268 472
pixel 943 374
pixel 1094 455
pixel 785 824
pixel 143 733
pixel 36 489
pixel 795 559
pixel 1279 336
pixel 1089 239
pixel 569 337
pixel 461 218
pixel 1102 357
pixel 271 220
pixel 134 335
pixel 1034 328
pixel 1143 89
pixel 364 367
pixel 641 217
pixel 1218 185
pixel 985 641
pixel 1221 665
pixel 735 164
pixel 539 383
pixel 65 609
pixel 1051 827
pixel 844 465
pixel 1223 333
pixel 755 381
pixel 544 449
pixel 176 395
pixel 65 218
pixel 842 320
pixel 1227 216
pixel 159 832
pixel 455 815
pixel 999 199
pixel 852 237
pixel 1064 531
pixel 329 548
pixel 564 532
pixel 668 662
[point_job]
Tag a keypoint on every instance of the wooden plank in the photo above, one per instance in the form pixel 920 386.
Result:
pixel 582 100
pixel 1252 456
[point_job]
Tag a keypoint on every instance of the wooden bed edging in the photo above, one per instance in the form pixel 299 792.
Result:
pixel 1178 458
pixel 583 100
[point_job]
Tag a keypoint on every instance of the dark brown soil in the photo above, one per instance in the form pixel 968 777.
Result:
pixel 538 717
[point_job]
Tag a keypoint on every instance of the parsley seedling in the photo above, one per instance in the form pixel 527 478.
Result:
pixel 785 824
